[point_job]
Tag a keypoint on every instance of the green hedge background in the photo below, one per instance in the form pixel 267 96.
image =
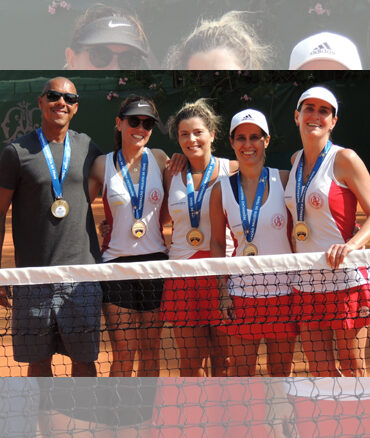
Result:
pixel 274 93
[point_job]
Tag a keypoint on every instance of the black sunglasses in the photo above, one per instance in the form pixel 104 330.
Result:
pixel 134 122
pixel 54 96
pixel 101 56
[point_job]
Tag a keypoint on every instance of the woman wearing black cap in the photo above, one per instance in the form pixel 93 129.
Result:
pixel 106 38
pixel 131 177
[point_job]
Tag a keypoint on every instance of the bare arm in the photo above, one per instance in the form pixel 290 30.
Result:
pixel 284 176
pixel 350 170
pixel 218 248
pixel 165 218
pixel 6 196
pixel 161 158
pixel 96 177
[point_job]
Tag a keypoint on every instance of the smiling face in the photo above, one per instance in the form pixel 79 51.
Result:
pixel 194 138
pixel 136 137
pixel 249 144
pixel 57 114
pixel 315 119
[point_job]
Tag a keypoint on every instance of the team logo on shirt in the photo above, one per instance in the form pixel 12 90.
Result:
pixel 316 200
pixel 155 196
pixel 364 312
pixel 278 221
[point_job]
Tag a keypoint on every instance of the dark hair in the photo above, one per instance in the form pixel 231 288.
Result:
pixel 199 108
pixel 129 99
pixel 99 10
pixel 264 134
pixel 231 32
pixel 300 107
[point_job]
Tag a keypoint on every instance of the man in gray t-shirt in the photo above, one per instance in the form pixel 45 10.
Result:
pixel 44 175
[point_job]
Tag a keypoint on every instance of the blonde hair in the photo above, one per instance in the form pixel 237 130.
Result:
pixel 200 108
pixel 231 32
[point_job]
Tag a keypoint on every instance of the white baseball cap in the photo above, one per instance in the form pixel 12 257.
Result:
pixel 249 116
pixel 326 46
pixel 319 93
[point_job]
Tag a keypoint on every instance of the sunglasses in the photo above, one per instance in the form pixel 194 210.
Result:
pixel 134 122
pixel 54 96
pixel 102 56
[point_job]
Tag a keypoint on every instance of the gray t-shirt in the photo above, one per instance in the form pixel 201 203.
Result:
pixel 40 239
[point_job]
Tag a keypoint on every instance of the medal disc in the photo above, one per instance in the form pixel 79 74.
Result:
pixel 195 237
pixel 138 229
pixel 301 231
pixel 250 250
pixel 60 208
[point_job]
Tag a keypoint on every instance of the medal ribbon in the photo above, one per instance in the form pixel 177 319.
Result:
pixel 55 181
pixel 137 201
pixel 250 227
pixel 194 206
pixel 299 194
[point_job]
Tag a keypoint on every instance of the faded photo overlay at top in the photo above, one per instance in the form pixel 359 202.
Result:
pixel 178 34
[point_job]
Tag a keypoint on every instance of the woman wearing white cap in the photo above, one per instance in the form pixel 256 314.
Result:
pixel 250 201
pixel 324 186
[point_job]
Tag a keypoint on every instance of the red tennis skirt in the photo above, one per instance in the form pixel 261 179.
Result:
pixel 258 318
pixel 191 301
pixel 331 418
pixel 209 407
pixel 344 309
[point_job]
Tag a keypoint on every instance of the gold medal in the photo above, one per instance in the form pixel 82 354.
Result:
pixel 138 229
pixel 60 208
pixel 301 231
pixel 194 237
pixel 250 250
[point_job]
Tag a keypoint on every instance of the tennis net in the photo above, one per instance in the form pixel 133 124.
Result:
pixel 188 317
pixel 177 407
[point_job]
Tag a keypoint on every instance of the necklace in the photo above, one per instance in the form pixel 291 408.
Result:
pixel 197 172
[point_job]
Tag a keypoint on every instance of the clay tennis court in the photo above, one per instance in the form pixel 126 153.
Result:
pixel 61 364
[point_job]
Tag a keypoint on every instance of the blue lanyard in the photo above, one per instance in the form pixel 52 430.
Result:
pixel 194 206
pixel 250 227
pixel 55 181
pixel 299 194
pixel 137 201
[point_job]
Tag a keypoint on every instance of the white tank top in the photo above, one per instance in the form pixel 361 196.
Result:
pixel 271 237
pixel 178 208
pixel 330 213
pixel 329 388
pixel 118 212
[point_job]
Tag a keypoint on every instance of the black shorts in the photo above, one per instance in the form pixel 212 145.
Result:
pixel 140 295
pixel 112 401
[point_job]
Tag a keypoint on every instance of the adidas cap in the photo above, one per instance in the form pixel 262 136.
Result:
pixel 249 116
pixel 319 93
pixel 325 46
